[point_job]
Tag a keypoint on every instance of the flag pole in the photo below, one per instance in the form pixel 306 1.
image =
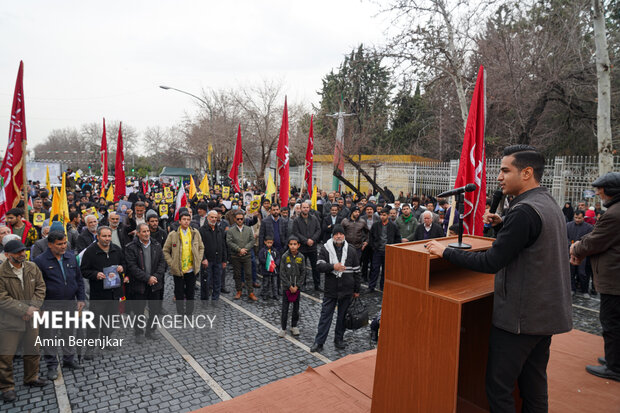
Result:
pixel 25 180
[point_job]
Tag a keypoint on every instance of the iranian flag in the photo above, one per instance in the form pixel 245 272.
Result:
pixel 270 265
pixel 180 202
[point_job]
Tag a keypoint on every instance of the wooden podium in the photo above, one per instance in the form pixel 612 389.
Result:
pixel 435 324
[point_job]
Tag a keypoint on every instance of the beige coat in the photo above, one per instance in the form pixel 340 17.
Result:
pixel 172 251
pixel 15 300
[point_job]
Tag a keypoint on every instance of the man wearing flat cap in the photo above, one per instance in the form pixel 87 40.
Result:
pixel 22 291
pixel 602 245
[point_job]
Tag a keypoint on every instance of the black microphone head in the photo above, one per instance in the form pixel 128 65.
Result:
pixel 470 187
pixel 498 193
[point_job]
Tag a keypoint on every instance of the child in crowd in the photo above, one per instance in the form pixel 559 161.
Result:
pixel 269 261
pixel 293 268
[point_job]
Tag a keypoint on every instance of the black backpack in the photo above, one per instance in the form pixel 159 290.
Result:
pixel 356 316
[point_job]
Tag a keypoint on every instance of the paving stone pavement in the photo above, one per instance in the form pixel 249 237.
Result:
pixel 241 355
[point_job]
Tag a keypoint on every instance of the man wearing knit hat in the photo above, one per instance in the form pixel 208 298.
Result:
pixel 602 245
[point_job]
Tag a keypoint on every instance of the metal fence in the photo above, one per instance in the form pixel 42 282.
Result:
pixel 567 177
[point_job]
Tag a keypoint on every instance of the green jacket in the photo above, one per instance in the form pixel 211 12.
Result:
pixel 172 251
pixel 407 229
pixel 14 300
pixel 237 240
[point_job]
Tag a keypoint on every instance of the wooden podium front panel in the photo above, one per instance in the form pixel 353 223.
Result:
pixel 421 332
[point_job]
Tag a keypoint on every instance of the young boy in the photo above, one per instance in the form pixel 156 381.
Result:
pixel 269 261
pixel 293 267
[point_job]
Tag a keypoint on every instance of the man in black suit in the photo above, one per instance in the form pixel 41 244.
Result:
pixel 382 233
pixel 329 221
pixel 428 229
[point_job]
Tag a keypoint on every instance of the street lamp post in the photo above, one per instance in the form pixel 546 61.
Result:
pixel 192 95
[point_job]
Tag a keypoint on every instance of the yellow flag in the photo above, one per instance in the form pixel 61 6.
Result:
pixel 204 185
pixel 314 191
pixel 192 188
pixel 110 196
pixel 77 175
pixel 55 211
pixel 64 204
pixel 47 180
pixel 271 187
pixel 209 156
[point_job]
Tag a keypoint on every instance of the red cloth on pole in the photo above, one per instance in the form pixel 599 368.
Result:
pixel 473 165
pixel 119 168
pixel 237 161
pixel 309 159
pixel 12 169
pixel 282 154
pixel 104 157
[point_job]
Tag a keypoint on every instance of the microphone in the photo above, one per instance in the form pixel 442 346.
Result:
pixel 497 197
pixel 456 191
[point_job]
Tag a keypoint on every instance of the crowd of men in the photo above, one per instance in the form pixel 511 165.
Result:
pixel 275 253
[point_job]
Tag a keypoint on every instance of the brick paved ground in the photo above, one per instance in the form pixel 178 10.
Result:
pixel 243 356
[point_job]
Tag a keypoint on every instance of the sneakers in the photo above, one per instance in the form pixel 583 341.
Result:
pixel 295 331
pixel 282 333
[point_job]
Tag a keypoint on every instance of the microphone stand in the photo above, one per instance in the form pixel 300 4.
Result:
pixel 460 207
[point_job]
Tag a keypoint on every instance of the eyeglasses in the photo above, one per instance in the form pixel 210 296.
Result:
pixel 239 219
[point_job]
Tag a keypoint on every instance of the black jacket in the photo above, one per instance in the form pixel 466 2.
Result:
pixel 393 234
pixel 138 278
pixel 216 250
pixel 84 240
pixel 160 235
pixel 94 261
pixel 56 286
pixel 350 280
pixel 326 225
pixel 303 231
pixel 266 228
pixel 435 232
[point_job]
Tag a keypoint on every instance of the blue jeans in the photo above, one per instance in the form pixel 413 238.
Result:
pixel 211 277
pixel 327 313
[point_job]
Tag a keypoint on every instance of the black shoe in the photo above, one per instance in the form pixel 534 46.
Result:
pixel 604 372
pixel 316 347
pixel 602 361
pixel 152 336
pixel 224 291
pixel 9 396
pixel 374 335
pixel 368 291
pixel 52 374
pixel 339 344
pixel 72 365
pixel 318 289
pixel 140 339
pixel 40 382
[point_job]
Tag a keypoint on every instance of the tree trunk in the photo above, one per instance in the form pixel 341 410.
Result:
pixel 368 178
pixel 603 67
pixel 347 183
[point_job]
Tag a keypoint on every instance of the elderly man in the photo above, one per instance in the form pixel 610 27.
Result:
pixel 119 230
pixel 340 263
pixel 428 229
pixel 145 269
pixel 214 259
pixel 64 286
pixel 602 245
pixel 88 235
pixel 21 282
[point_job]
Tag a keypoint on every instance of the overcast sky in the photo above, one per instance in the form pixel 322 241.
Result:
pixel 84 60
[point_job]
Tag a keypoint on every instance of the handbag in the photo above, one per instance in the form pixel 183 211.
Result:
pixel 356 316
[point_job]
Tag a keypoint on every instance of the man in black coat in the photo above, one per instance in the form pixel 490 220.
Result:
pixel 340 263
pixel 330 221
pixel 307 229
pixel 382 233
pixel 99 256
pixel 146 267
pixel 215 257
pixel 428 229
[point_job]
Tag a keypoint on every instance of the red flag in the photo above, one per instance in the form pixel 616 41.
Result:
pixel 283 155
pixel 181 201
pixel 309 159
pixel 237 161
pixel 119 168
pixel 473 166
pixel 104 157
pixel 12 169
